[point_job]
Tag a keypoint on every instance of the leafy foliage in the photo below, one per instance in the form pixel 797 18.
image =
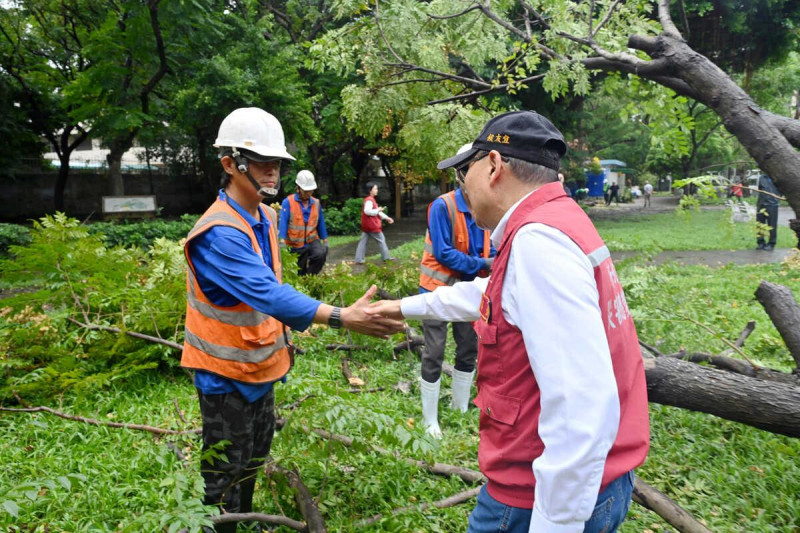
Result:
pixel 13 235
pixel 345 220
pixel 73 275
pixel 142 233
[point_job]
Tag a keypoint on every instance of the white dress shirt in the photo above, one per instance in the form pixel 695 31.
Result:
pixel 550 294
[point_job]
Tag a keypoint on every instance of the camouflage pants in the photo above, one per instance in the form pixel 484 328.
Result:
pixel 249 427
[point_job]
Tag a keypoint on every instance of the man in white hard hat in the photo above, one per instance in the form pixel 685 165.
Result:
pixel 302 225
pixel 238 312
pixel 456 249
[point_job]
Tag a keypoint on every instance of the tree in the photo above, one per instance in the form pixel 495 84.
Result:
pixel 136 45
pixel 239 69
pixel 471 50
pixel 41 53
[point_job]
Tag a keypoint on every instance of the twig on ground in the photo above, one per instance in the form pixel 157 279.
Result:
pixel 178 410
pixel 94 422
pixel 142 336
pixel 454 500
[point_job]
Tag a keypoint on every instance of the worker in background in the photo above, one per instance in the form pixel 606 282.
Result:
pixel 456 249
pixel 302 225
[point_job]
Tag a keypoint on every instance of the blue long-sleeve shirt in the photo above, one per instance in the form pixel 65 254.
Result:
pixel 286 215
pixel 229 271
pixel 441 238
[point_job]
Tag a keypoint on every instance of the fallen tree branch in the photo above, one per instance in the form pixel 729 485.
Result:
pixel 658 502
pixel 157 340
pixel 452 501
pixel 411 343
pixel 763 404
pixel 467 475
pixel 354 381
pixel 780 305
pixel 308 508
pixel 655 501
pixel 277 520
pixel 345 347
pixel 748 329
pixel 652 349
pixel 716 334
pixel 362 391
pixel 92 421
pixel 738 366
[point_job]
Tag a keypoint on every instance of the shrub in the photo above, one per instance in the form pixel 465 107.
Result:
pixel 142 233
pixel 345 220
pixel 13 235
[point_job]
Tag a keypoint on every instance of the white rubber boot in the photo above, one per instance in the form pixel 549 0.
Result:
pixel 462 381
pixel 430 406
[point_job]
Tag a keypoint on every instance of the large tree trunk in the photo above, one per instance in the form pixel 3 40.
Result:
pixel 61 182
pixel 117 147
pixel 767 405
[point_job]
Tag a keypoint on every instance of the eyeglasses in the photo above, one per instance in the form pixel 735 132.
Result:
pixel 461 172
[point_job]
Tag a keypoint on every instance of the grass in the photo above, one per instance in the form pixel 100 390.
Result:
pixel 694 230
pixel 62 475
pixel 339 240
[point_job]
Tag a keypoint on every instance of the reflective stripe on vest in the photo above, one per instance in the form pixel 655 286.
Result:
pixel 236 342
pixel 433 274
pixel 300 233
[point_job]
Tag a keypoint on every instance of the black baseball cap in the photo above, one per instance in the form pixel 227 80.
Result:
pixel 524 135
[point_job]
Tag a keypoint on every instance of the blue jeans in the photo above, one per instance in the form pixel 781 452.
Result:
pixel 491 516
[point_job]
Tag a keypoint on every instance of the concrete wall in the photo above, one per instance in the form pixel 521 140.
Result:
pixel 30 196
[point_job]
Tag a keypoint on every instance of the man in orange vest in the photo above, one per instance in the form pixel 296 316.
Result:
pixel 302 225
pixel 236 338
pixel 456 249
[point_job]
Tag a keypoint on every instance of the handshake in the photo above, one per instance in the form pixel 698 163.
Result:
pixel 379 319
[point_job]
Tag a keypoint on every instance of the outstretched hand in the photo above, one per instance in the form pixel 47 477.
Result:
pixel 359 317
pixel 386 308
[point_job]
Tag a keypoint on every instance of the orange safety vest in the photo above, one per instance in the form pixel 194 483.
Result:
pixel 300 232
pixel 433 274
pixel 238 342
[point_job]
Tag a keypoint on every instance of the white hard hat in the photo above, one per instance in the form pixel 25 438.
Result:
pixel 305 180
pixel 254 130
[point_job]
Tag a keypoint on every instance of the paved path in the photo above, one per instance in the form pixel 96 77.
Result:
pixel 711 258
pixel 410 228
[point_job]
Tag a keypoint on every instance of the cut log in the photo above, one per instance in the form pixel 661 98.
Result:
pixel 780 305
pixel 763 404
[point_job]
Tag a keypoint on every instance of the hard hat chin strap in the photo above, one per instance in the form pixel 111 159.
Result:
pixel 244 168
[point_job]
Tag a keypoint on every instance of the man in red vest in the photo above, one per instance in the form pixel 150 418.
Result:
pixel 564 416
pixel 238 311
pixel 302 225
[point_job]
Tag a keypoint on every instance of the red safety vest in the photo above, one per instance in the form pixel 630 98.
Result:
pixel 236 342
pixel 370 223
pixel 508 395
pixel 300 232
pixel 433 274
